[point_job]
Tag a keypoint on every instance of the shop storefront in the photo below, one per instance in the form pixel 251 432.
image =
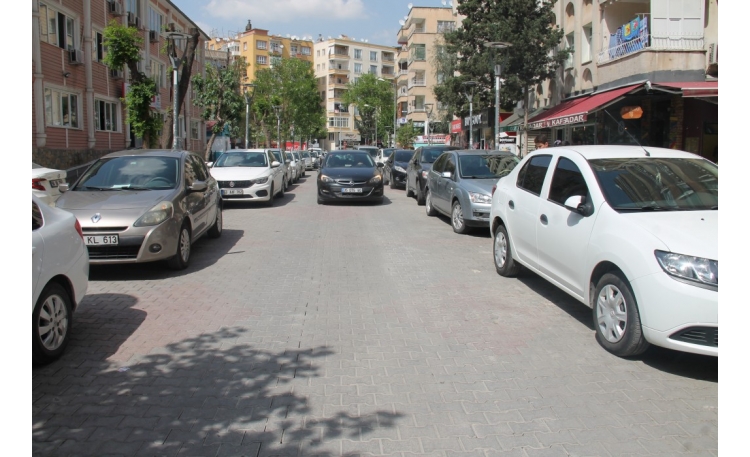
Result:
pixel 483 129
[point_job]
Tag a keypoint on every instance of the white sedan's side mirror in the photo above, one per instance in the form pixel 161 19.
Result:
pixel 209 164
pixel 578 204
pixel 275 164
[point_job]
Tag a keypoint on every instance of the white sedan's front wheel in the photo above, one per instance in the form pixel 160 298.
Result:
pixel 616 316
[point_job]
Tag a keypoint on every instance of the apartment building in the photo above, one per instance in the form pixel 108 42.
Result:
pixel 646 68
pixel 339 61
pixel 77 112
pixel 419 39
pixel 262 50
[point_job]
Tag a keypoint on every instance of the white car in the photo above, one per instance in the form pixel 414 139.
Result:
pixel 300 164
pixel 45 183
pixel 59 277
pixel 632 232
pixel 307 158
pixel 294 165
pixel 284 164
pixel 249 175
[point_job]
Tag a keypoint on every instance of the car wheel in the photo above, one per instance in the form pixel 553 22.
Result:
pixel 616 317
pixel 53 321
pixel 420 195
pixel 505 265
pixel 429 209
pixel 271 198
pixel 216 230
pixel 283 188
pixel 409 192
pixel 457 219
pixel 391 182
pixel 181 259
pixel 320 200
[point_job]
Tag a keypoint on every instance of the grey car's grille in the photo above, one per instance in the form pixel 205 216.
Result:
pixel 235 184
pixel 103 229
pixel 349 182
pixel 113 252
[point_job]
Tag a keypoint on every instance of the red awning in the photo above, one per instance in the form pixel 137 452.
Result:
pixel 695 88
pixel 577 110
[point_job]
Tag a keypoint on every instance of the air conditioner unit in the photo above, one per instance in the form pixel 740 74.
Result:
pixel 134 20
pixel 712 53
pixel 76 56
pixel 115 8
pixel 116 74
pixel 153 36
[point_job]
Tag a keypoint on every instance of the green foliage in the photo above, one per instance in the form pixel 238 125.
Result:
pixel 139 115
pixel 123 45
pixel 406 134
pixel 373 98
pixel 527 24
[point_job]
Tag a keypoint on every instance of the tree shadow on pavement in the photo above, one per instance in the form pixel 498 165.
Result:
pixel 212 394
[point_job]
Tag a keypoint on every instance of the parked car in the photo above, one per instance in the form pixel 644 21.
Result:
pixel 315 156
pixel 307 158
pixel 350 175
pixel 59 278
pixel 372 150
pixel 145 205
pixel 249 175
pixel 384 153
pixel 279 156
pixel 632 232
pixel 460 182
pixel 293 166
pixel 394 171
pixel 45 183
pixel 419 166
pixel 300 164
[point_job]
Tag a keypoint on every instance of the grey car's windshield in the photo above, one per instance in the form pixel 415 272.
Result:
pixel 658 183
pixel 429 155
pixel 486 166
pixel 131 173
pixel 350 160
pixel 242 159
pixel 403 156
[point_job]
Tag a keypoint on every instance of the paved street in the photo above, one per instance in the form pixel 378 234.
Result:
pixel 355 330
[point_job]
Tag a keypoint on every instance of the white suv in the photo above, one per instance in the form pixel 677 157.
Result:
pixel 632 232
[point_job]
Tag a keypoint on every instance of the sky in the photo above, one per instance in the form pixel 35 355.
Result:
pixel 373 20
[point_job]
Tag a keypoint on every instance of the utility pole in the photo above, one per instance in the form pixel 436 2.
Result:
pixel 470 97
pixel 499 45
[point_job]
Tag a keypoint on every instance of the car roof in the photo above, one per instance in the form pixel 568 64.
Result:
pixel 619 152
pixel 244 150
pixel 148 153
pixel 348 151
pixel 480 152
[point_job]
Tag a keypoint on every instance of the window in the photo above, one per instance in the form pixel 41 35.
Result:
pixel 374 56
pixel 531 176
pixel 195 131
pixel 56 28
pixel 159 74
pixel 586 44
pixel 357 68
pixel 317 53
pixel 61 108
pixel 261 60
pixel 155 20
pixel 358 54
pixel 294 49
pixel 445 26
pixel 439 163
pixel 418 52
pixel 340 107
pixel 340 122
pixel 105 116
pixel 160 123
pixel 244 46
pixel 261 45
pixel 570 46
pixel 306 51
pixel 566 182
pixel 133 6
pixel 101 50
pixel 450 165
pixel 37 220
pixel 374 69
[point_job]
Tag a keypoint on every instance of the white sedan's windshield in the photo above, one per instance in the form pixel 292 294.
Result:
pixel 242 159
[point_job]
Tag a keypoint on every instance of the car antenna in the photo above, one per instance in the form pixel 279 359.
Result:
pixel 620 123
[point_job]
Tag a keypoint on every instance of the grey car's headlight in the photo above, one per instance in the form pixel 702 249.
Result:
pixel 696 270
pixel 479 198
pixel 375 179
pixel 262 180
pixel 325 178
pixel 397 168
pixel 156 215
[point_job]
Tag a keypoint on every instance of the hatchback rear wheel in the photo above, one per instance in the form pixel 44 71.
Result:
pixel 429 209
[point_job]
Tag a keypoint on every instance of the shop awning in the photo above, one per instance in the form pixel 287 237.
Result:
pixel 513 122
pixel 694 89
pixel 577 110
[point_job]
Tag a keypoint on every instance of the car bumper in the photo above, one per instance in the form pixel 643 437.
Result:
pixel 136 244
pixel 478 215
pixel 677 315
pixel 256 192
pixel 333 192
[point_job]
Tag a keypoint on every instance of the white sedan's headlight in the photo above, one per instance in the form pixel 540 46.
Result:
pixel 262 180
pixel 479 198
pixel 693 269
pixel 156 215
pixel 325 178
pixel 401 169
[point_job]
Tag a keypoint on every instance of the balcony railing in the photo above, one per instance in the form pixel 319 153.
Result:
pixel 403 72
pixel 388 58
pixel 414 82
pixel 653 43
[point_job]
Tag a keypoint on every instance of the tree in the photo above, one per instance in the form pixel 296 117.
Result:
pixel 535 55
pixel 124 50
pixel 219 95
pixel 406 134
pixel 373 98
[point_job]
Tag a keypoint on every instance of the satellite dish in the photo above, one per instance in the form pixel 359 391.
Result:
pixel 402 22
pixel 450 4
pixel 444 2
pixel 367 41
pixel 410 5
pixel 406 18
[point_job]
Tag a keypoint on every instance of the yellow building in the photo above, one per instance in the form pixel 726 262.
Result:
pixel 262 50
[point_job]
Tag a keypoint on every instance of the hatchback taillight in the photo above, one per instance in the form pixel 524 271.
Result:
pixel 494 187
pixel 78 229
pixel 36 184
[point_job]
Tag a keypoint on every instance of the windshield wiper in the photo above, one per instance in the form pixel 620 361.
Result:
pixel 100 188
pixel 130 187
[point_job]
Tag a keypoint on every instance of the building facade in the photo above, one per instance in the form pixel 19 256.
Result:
pixel 420 39
pixel 339 61
pixel 77 112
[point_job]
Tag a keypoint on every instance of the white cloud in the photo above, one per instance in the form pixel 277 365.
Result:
pixel 260 11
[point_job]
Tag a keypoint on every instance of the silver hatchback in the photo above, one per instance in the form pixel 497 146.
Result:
pixel 145 205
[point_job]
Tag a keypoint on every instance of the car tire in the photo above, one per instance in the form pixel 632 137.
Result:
pixel 283 189
pixel 502 254
pixel 391 182
pixel 269 203
pixel 409 192
pixel 420 195
pixel 218 228
pixel 52 323
pixel 181 258
pixel 428 208
pixel 457 219
pixel 616 317
pixel 320 200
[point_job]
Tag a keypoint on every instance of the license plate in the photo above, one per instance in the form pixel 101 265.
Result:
pixel 54 183
pixel 231 191
pixel 351 190
pixel 101 240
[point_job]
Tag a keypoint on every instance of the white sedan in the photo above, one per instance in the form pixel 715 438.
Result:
pixel 632 232
pixel 249 175
pixel 59 277
pixel 45 183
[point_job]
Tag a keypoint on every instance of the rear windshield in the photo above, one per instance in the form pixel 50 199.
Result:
pixel 403 156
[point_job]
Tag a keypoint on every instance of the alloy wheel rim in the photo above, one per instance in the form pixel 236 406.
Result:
pixel 185 245
pixel 219 220
pixel 501 249
pixel 428 202
pixel 53 322
pixel 458 217
pixel 611 313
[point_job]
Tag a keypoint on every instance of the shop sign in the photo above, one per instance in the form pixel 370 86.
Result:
pixel 344 136
pixel 456 126
pixel 476 121
pixel 435 138
pixel 509 128
pixel 402 120
pixel 558 122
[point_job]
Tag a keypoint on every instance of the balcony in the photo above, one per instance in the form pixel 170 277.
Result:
pixel 416 82
pixel 403 36
pixel 388 57
pixel 653 43
pixel 338 82
pixel 403 72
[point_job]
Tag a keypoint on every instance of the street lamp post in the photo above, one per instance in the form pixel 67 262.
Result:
pixel 499 45
pixel 174 36
pixel 248 97
pixel 277 111
pixel 470 97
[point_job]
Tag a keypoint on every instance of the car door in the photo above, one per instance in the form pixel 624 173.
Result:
pixel 388 168
pixel 434 176
pixel 523 209
pixel 562 234
pixel 446 185
pixel 199 199
pixel 277 175
pixel 37 247
pixel 212 194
